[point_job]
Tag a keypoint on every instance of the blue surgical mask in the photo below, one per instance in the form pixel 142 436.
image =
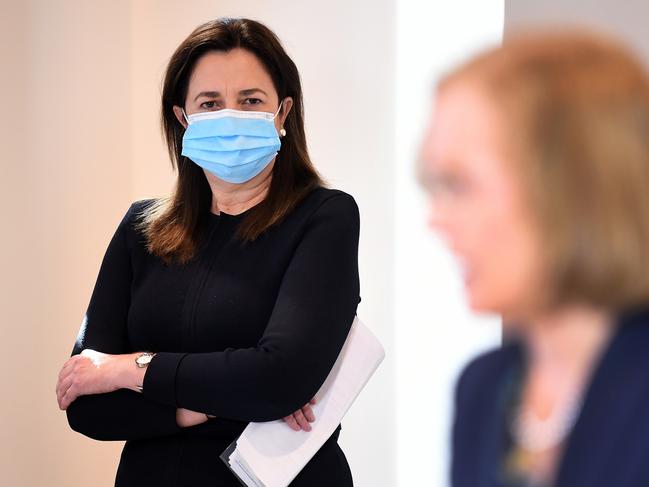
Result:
pixel 233 145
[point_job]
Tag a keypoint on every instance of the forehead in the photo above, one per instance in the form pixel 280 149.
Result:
pixel 464 124
pixel 223 71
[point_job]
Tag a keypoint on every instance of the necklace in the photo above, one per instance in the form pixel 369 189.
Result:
pixel 536 435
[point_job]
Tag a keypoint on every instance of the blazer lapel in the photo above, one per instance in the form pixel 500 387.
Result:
pixel 607 430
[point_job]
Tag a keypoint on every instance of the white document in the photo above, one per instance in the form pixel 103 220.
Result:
pixel 271 454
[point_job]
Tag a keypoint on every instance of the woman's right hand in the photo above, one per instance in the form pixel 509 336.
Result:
pixel 301 418
pixel 186 417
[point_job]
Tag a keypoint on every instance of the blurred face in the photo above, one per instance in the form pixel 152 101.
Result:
pixel 477 203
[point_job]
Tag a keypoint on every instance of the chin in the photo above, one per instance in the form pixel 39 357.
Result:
pixel 478 300
pixel 484 303
pixel 481 305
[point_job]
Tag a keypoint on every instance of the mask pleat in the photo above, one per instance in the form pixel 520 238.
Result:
pixel 230 143
pixel 229 158
pixel 233 146
pixel 228 127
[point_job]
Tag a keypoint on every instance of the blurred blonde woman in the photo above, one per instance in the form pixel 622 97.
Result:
pixel 537 162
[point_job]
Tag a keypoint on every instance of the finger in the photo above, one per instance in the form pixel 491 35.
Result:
pixel 301 420
pixel 59 384
pixel 290 421
pixel 66 371
pixel 69 373
pixel 69 396
pixel 63 386
pixel 312 401
pixel 70 388
pixel 72 393
pixel 308 413
pixel 61 400
pixel 67 365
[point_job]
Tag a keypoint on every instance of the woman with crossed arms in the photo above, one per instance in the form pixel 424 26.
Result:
pixel 228 301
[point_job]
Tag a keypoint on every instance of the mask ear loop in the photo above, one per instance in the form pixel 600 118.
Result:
pixel 282 131
pixel 185 115
pixel 278 109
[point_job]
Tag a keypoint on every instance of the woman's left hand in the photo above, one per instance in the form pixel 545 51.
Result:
pixel 89 372
pixel 301 418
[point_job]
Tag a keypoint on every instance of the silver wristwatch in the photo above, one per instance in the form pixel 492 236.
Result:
pixel 143 359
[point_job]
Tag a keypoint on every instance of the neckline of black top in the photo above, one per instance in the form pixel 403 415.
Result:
pixel 214 216
pixel 227 216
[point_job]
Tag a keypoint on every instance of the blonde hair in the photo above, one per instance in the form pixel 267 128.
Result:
pixel 576 107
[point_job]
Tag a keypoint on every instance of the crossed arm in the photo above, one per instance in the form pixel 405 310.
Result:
pixel 93 372
pixel 304 336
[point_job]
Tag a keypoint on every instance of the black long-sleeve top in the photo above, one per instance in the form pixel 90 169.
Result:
pixel 246 331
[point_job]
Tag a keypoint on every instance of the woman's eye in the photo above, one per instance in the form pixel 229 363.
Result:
pixel 252 101
pixel 207 105
pixel 449 185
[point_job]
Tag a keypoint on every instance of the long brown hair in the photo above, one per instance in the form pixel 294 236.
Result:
pixel 171 224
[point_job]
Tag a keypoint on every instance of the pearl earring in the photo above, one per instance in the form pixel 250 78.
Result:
pixel 282 132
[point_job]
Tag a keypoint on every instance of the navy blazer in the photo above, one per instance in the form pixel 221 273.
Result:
pixel 609 443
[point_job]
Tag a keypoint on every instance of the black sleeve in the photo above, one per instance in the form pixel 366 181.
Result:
pixel 312 316
pixel 123 414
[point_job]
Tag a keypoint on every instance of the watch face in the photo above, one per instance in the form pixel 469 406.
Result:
pixel 143 359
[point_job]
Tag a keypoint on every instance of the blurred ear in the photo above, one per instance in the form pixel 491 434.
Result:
pixel 178 111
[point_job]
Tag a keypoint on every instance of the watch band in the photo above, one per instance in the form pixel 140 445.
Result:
pixel 142 361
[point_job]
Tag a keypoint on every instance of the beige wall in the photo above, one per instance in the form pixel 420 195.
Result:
pixel 81 140
pixel 65 180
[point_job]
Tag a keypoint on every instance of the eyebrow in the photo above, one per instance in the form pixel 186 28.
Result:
pixel 251 91
pixel 216 94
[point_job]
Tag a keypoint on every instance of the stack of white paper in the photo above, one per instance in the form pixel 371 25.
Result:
pixel 271 454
